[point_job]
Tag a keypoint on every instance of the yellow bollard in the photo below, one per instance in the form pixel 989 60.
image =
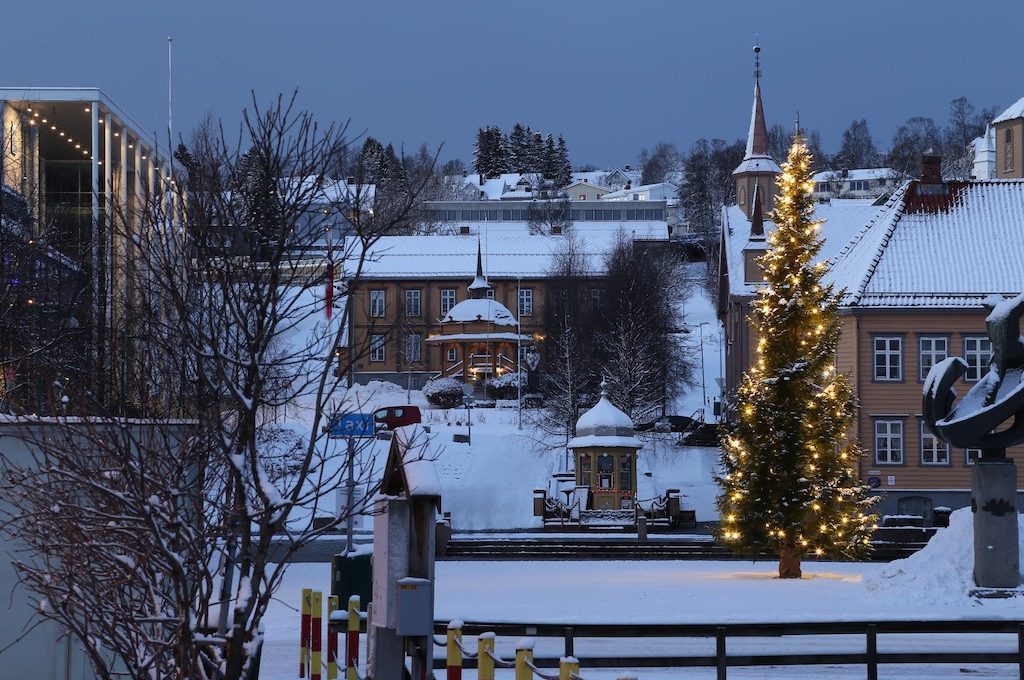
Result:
pixel 304 628
pixel 352 639
pixel 332 640
pixel 484 663
pixel 524 653
pixel 567 667
pixel 316 661
pixel 454 650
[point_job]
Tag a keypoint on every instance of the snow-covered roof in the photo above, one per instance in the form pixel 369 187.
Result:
pixel 604 425
pixel 917 255
pixel 644 230
pixel 1015 110
pixel 480 309
pixel 757 164
pixel 843 219
pixel 855 174
pixel 411 257
pixel 480 337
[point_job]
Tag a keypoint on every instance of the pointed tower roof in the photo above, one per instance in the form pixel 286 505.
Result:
pixel 479 285
pixel 757 158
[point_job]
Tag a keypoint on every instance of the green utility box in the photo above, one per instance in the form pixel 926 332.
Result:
pixel 352 575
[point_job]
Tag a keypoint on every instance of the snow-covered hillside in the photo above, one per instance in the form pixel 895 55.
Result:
pixel 488 485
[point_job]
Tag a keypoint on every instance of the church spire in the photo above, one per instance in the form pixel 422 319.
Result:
pixel 479 286
pixel 757 136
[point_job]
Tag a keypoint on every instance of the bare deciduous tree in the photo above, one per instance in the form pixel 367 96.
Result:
pixel 157 542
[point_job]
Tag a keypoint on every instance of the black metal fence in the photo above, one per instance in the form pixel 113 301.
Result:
pixel 722 659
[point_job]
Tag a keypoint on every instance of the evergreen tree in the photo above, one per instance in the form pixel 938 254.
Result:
pixel 536 154
pixel 518 148
pixel 490 157
pixel 563 177
pixel 789 480
pixel 550 168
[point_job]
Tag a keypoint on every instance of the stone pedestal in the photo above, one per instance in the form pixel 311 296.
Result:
pixel 994 503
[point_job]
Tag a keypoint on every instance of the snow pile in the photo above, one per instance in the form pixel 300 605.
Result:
pixel 941 573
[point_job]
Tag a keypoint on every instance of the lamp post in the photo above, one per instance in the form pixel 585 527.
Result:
pixel 519 347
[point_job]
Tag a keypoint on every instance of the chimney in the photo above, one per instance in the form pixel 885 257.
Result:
pixel 481 178
pixel 628 168
pixel 465 173
pixel 931 168
pixel 350 180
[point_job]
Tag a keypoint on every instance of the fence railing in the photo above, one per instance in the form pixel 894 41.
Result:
pixel 721 660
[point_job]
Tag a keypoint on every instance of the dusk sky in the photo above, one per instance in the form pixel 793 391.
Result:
pixel 611 76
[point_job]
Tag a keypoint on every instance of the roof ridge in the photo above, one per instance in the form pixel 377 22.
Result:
pixel 893 214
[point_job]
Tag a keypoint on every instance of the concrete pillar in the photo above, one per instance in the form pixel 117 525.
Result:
pixel 996 539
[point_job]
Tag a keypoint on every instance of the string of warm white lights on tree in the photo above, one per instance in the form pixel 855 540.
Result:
pixel 789 480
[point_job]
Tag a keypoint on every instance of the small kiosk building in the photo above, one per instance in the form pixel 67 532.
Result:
pixel 605 449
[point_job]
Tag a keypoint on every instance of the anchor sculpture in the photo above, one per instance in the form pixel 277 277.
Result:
pixel 975 422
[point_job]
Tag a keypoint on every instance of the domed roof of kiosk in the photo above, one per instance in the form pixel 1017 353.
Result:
pixel 604 425
pixel 480 309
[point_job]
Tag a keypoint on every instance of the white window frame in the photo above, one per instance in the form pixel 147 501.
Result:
pixel 452 355
pixel 413 348
pixel 378 348
pixel 889 431
pixel 413 302
pixel 977 359
pixel 934 451
pixel 932 353
pixel 526 302
pixel 971 456
pixel 490 293
pixel 378 303
pixel 893 366
pixel 448 300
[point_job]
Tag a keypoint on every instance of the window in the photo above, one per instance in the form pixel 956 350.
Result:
pixel 821 187
pixel 631 214
pixel 1008 151
pixel 377 303
pixel 888 358
pixel 625 472
pixel 588 215
pixel 934 451
pixel 583 197
pixel 585 469
pixel 605 471
pixel 492 215
pixel 977 352
pixel 453 355
pixel 597 299
pixel 412 302
pixel 859 185
pixel 971 456
pixel 526 302
pixel 376 348
pixel 933 349
pixel 447 300
pixel 490 293
pixel 889 441
pixel 414 348
pixel 616 215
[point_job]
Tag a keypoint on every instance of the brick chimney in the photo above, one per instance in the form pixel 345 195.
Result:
pixel 931 168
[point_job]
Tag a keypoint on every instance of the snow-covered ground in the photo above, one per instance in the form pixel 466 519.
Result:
pixel 488 485
pixel 932 584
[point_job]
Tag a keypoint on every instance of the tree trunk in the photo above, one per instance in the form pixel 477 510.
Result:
pixel 789 562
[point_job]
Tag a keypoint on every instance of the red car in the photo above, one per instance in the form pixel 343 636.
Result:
pixel 390 417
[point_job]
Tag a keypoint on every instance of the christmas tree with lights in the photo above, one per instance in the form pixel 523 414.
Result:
pixel 789 473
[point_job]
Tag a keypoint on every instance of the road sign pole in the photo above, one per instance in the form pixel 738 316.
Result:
pixel 350 493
